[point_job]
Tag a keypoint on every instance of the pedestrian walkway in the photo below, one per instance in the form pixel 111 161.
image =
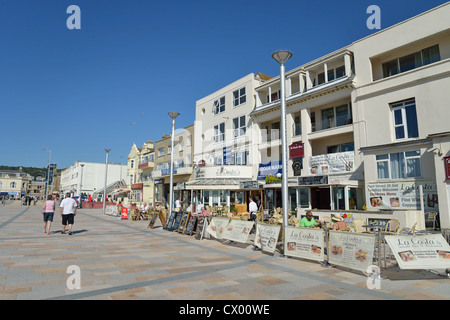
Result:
pixel 123 259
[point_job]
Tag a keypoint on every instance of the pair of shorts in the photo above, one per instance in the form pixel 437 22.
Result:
pixel 48 216
pixel 67 219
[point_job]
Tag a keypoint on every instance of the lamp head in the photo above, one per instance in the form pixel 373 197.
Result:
pixel 282 56
pixel 107 150
pixel 173 115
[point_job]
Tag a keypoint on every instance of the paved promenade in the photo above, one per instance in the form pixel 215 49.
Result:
pixel 126 260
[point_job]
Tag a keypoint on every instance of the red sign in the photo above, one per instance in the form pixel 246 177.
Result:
pixel 447 168
pixel 296 150
pixel 124 213
pixel 137 186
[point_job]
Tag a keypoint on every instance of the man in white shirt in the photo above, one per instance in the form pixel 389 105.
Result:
pixel 178 204
pixel 252 208
pixel 68 210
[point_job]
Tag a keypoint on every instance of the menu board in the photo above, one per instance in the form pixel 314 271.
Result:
pixel 217 226
pixel 153 220
pixel 200 231
pixel 420 251
pixel 190 225
pixel 350 250
pixel 177 222
pixel 267 236
pixel 305 243
pixel 170 222
pixel 237 230
pixel 183 221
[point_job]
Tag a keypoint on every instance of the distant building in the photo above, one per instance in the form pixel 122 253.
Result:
pixel 14 184
pixel 89 178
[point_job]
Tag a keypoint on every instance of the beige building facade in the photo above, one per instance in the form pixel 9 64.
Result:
pixel 14 184
pixel 182 166
pixel 140 186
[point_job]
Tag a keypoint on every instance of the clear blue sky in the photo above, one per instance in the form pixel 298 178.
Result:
pixel 77 92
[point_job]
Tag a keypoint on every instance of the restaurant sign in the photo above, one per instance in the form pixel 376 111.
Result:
pixel 237 230
pixel 401 195
pixel 296 150
pixel 447 168
pixel 270 168
pixel 267 236
pixel 340 162
pixel 307 181
pixel 420 251
pixel 354 251
pixel 305 243
pixel 248 185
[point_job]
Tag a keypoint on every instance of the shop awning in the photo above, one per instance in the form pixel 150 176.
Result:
pixel 214 184
pixel 121 191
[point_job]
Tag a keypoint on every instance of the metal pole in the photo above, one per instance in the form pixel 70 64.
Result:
pixel 81 181
pixel 171 168
pixel 48 174
pixel 106 177
pixel 284 175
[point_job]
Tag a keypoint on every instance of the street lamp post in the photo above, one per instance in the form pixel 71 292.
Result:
pixel 81 179
pixel 106 177
pixel 281 57
pixel 173 115
pixel 48 172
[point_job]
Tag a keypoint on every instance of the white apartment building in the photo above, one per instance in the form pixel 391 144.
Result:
pixel 367 125
pixel 401 111
pixel 322 166
pixel 89 178
pixel 224 153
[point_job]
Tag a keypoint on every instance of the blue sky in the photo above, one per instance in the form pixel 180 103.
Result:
pixel 112 83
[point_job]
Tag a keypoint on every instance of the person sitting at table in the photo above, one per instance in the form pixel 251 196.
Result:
pixel 205 213
pixel 338 222
pixel 308 221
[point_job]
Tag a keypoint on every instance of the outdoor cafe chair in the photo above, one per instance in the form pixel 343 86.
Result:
pixel 357 225
pixel 431 217
pixel 392 227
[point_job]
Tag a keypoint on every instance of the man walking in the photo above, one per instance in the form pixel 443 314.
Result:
pixel 68 210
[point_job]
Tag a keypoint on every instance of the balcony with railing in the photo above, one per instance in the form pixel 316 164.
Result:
pixel 315 77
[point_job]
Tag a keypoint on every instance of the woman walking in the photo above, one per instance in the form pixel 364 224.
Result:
pixel 48 212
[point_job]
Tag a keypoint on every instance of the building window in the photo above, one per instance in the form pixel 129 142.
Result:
pixel 219 105
pixel 160 152
pixel 274 96
pixel 398 165
pixel 411 61
pixel 405 119
pixel 239 97
pixel 336 116
pixel 219 132
pixel 341 148
pixel 12 185
pixel 297 126
pixel 239 127
pixel 240 158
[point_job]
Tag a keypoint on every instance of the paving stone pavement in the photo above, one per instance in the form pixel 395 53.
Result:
pixel 125 260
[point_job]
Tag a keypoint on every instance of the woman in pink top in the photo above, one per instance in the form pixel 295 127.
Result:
pixel 48 210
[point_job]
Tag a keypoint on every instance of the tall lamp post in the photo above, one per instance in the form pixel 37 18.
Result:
pixel 106 177
pixel 281 57
pixel 173 115
pixel 81 180
pixel 48 172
